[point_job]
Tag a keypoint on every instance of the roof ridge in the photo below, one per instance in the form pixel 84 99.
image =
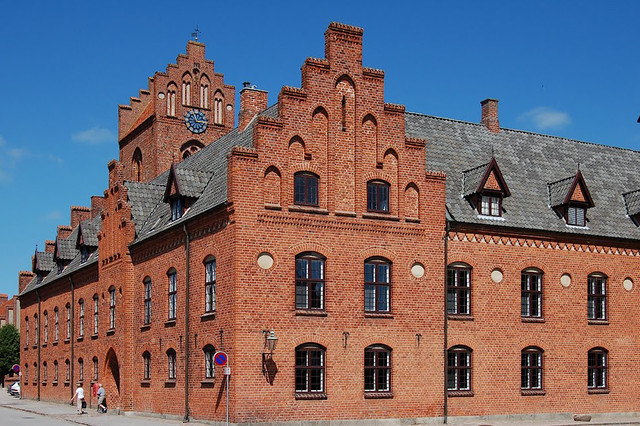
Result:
pixel 525 132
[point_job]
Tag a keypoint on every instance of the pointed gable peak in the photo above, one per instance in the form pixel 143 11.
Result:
pixel 486 177
pixel 578 192
pixel 173 186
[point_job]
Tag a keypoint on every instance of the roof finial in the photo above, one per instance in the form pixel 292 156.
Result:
pixel 196 33
pixel 578 166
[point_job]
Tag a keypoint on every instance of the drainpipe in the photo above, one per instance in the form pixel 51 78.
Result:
pixel 73 317
pixel 187 246
pixel 38 340
pixel 446 324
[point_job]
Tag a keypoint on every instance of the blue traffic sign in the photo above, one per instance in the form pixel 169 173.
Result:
pixel 16 368
pixel 220 358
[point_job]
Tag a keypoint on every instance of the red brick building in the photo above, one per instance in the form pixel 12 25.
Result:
pixel 409 266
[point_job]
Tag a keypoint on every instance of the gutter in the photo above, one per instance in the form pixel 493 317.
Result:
pixel 446 324
pixel 73 317
pixel 187 246
pixel 39 342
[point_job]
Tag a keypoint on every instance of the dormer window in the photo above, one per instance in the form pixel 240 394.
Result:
pixel 570 198
pixel 84 253
pixel 176 208
pixel 485 187
pixel 60 265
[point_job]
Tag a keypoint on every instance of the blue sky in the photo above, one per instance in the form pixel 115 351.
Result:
pixel 566 68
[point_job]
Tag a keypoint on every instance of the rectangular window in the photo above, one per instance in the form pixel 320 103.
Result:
pixel 209 365
pixel 459 370
pixel 576 216
pixel 459 290
pixel 531 369
pixel 176 208
pixel 597 297
pixel 56 325
pixel 81 323
pixel 68 322
pixel 147 301
pixel 171 358
pixel 80 370
pixel 597 359
pixel 309 282
pixel 172 295
pixel 112 308
pixel 490 205
pixel 95 369
pixel 95 314
pixel 377 288
pixel 210 286
pixel 46 328
pixel 378 197
pixel 531 294
pixel 305 190
pixel 377 369
pixel 310 369
pixel 147 366
pixel 55 371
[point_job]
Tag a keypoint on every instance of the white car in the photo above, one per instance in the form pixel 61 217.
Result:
pixel 14 389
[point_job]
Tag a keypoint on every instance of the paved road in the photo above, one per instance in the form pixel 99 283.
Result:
pixel 22 418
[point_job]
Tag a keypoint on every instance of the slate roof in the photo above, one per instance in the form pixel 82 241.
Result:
pixel 632 202
pixel 89 230
pixel 192 182
pixel 558 190
pixel 528 162
pixel 471 179
pixel 66 247
pixel 44 261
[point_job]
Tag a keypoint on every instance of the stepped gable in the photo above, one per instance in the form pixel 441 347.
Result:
pixel 529 161
pixel 66 247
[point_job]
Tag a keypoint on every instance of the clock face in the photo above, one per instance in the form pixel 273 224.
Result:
pixel 195 121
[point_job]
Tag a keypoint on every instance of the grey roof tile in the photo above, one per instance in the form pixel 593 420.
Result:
pixel 632 202
pixel 558 190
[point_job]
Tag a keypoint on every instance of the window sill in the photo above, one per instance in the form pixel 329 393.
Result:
pixel 171 383
pixel 459 393
pixel 532 392
pixel 207 383
pixel 378 315
pixel 270 206
pixel 94 336
pixel 35 383
pixel 55 343
pixel 598 322
pixel 67 340
pixel 111 332
pixel 346 214
pixel 208 316
pixel 170 323
pixel 26 348
pixel 308 209
pixel 310 395
pixel 311 313
pixel 597 391
pixel 80 338
pixel 460 317
pixel 44 383
pixel 145 327
pixel 54 383
pixel 381 216
pixel 66 384
pixel 44 345
pixel 378 395
pixel 35 346
pixel 145 383
pixel 533 319
pixel 412 220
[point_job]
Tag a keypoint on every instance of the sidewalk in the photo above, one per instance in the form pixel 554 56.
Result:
pixel 68 413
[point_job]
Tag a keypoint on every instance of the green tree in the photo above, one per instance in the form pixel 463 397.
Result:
pixel 9 348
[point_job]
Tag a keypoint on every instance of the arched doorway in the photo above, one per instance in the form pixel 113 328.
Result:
pixel 112 379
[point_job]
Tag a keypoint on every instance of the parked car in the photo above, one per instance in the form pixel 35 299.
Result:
pixel 14 389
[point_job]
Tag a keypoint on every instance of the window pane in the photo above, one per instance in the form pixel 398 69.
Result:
pixel 301 295
pixel 383 298
pixel 369 298
pixel 317 271
pixel 317 295
pixel 315 380
pixel 301 268
pixel 383 273
pixel 301 380
pixel 369 272
pixel 369 382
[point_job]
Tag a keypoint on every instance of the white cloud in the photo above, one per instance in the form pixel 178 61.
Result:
pixel 544 118
pixel 53 215
pixel 94 136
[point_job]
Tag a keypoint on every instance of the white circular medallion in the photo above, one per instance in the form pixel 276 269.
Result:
pixel 160 95
pixel 417 270
pixel 229 107
pixel 265 260
pixel 496 275
pixel 565 280
pixel 627 284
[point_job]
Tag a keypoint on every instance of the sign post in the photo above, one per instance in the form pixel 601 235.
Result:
pixel 221 359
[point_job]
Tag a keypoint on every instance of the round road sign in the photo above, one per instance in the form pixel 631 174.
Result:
pixel 16 368
pixel 220 358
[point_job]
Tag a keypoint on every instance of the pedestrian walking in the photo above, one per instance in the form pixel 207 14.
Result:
pixel 79 397
pixel 102 408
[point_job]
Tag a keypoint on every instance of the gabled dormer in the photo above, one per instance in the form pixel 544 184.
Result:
pixel 87 241
pixel 632 205
pixel 570 198
pixel 42 263
pixel 183 189
pixel 485 188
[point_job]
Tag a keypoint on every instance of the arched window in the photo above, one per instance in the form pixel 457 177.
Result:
pixel 597 369
pixel 81 321
pixel 309 370
pixel 531 293
pixel 209 369
pixel 26 374
pixel 55 371
pixel 136 164
pixel 531 369
pixel 147 300
pixel 305 190
pixel 56 324
pixel 26 331
pixel 210 284
pixel 36 330
pixel 377 285
pixel 597 296
pixel 459 369
pixel 171 99
pixel 146 366
pixel 204 92
pixel 459 289
pixel 68 308
pixel 172 294
pixel 35 373
pixel 171 364
pixel 218 108
pixel 186 89
pixel 44 371
pixel 67 373
pixel 80 370
pixel 378 196
pixel 96 304
pixel 377 368
pixel 112 308
pixel 45 335
pixel 310 281
pixel 95 368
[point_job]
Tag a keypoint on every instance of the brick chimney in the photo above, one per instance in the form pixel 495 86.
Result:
pixel 343 45
pixel 97 205
pixel 49 245
pixel 79 214
pixel 24 278
pixel 252 102
pixel 490 115
pixel 63 232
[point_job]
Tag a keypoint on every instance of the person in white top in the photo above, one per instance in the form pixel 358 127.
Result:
pixel 79 396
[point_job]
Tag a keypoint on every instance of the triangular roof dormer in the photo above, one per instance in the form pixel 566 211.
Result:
pixel 173 186
pixel 570 190
pixel 484 178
